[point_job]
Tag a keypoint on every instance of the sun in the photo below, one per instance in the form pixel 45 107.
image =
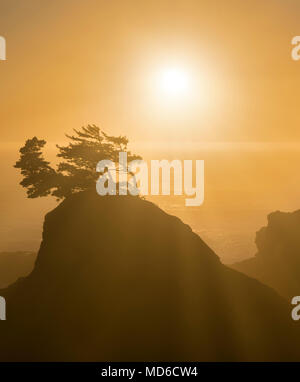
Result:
pixel 178 90
pixel 174 81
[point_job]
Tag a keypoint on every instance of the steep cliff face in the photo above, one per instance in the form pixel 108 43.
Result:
pixel 277 262
pixel 116 278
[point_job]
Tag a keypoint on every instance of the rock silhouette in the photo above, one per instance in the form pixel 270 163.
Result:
pixel 118 279
pixel 277 262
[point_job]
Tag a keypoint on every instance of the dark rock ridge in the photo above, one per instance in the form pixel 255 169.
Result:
pixel 277 262
pixel 118 279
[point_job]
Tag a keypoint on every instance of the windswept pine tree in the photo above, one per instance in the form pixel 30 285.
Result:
pixel 77 170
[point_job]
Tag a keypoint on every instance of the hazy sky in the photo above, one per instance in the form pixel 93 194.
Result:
pixel 70 62
pixel 73 62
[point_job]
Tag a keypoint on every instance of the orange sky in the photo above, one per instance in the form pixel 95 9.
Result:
pixel 73 62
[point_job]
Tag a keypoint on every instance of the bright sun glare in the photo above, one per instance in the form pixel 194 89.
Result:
pixel 180 90
pixel 174 81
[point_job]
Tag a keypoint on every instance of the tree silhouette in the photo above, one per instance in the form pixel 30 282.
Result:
pixel 77 171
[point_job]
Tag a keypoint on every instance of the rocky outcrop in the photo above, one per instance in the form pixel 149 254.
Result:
pixel 118 279
pixel 277 262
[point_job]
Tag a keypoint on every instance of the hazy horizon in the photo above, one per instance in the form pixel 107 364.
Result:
pixel 227 221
